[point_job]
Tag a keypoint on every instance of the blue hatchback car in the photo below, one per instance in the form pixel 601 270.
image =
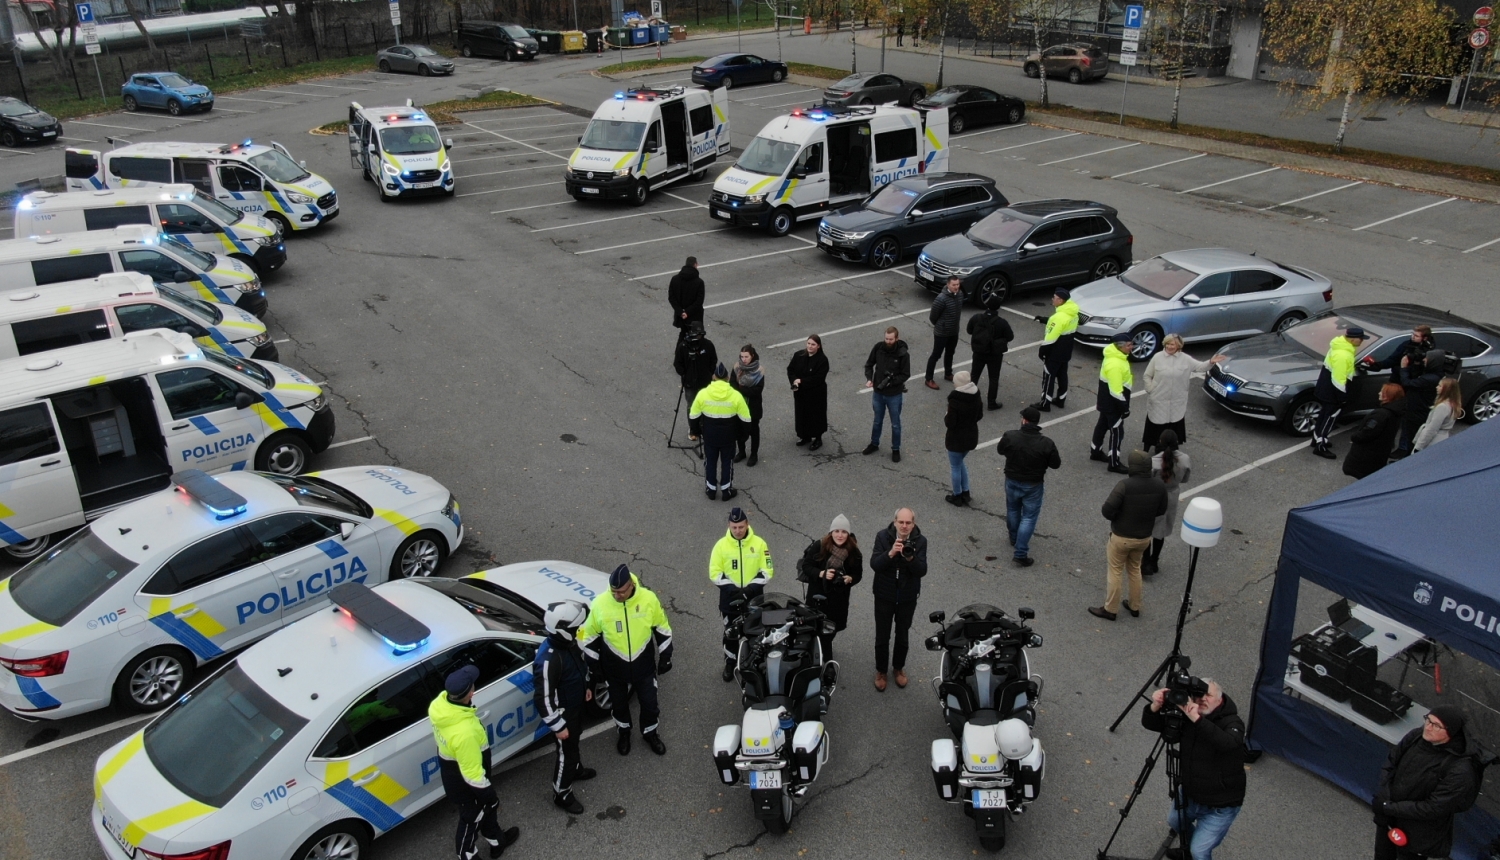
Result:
pixel 168 91
pixel 732 70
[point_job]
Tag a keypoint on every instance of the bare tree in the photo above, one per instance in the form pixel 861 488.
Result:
pixel 1040 16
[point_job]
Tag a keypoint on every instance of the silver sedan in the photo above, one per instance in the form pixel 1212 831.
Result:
pixel 414 58
pixel 1201 294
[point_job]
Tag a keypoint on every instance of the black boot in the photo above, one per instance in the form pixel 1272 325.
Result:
pixel 713 495
pixel 816 443
pixel 739 456
pixel 754 458
pixel 623 744
pixel 655 743
pixel 728 674
pixel 507 839
pixel 568 803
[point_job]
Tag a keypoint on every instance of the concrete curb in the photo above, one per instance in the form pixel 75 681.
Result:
pixel 1478 118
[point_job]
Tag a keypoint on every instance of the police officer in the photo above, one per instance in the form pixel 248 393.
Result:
pixel 740 565
pixel 694 364
pixel 1113 403
pixel 628 641
pixel 561 690
pixel 1332 388
pixel 1057 349
pixel 464 765
pixel 721 412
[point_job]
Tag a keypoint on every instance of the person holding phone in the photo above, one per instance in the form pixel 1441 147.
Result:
pixel 831 566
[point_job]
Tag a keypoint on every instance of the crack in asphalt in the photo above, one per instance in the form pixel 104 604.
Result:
pixel 569 369
pixel 676 610
pixel 634 556
pixel 770 519
pixel 809 801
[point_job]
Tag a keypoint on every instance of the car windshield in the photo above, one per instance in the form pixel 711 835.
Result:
pixel 1159 277
pixel 229 721
pixel 224 213
pixel 277 167
pixel 422 51
pixel 496 607
pixel 614 135
pixel 853 82
pixel 175 82
pixel 999 230
pixel 202 259
pixel 767 156
pixel 57 586
pixel 516 32
pixel 317 492
pixel 1315 334
pixel 205 310
pixel 243 365
pixel 891 200
pixel 11 107
pixel 410 140
pixel 945 96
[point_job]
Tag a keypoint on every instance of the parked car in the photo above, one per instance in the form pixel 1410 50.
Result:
pixel 414 58
pixel 906 215
pixel 970 105
pixel 873 88
pixel 167 90
pixel 1201 294
pixel 494 39
pixel 732 70
pixel 21 123
pixel 1077 63
pixel 1271 377
pixel 1040 244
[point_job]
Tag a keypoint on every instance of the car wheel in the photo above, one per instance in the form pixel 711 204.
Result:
pixel 956 124
pixel 29 549
pixel 343 840
pixel 885 252
pixel 1485 405
pixel 424 71
pixel 1033 70
pixel 1015 115
pixel 385 66
pixel 1289 320
pixel 131 104
pixel 727 83
pixel 1105 268
pixel 9 138
pixel 639 192
pixel 1302 416
pixel 419 555
pixel 867 101
pixel 154 679
pixel 1075 76
pixel 285 225
pixel 174 107
pixel 1145 341
pixel 782 221
pixel 777 76
pixel 285 453
pixel 510 56
pixel 916 95
pixel 466 50
pixel 994 284
pixel 699 174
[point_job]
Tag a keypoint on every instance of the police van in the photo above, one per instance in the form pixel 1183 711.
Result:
pixel 36 261
pixel 316 740
pixel 400 150
pixel 181 211
pixel 40 319
pixel 816 159
pixel 645 139
pixel 251 177
pixel 87 428
pixel 128 607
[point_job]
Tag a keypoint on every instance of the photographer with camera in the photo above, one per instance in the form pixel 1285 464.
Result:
pixel 899 561
pixel 1420 378
pixel 1195 714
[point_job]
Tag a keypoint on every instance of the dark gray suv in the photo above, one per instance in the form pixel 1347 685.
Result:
pixel 905 215
pixel 1037 245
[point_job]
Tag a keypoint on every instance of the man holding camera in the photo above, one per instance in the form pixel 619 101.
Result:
pixel 899 561
pixel 1211 753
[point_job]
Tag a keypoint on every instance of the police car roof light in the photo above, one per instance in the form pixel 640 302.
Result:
pixel 620 96
pixel 383 618
pixel 221 501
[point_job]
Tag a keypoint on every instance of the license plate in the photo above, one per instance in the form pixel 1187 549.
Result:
pixel 725 215
pixel 989 798
pixel 765 779
pixel 1217 387
pixel 589 190
pixel 49 134
pixel 423 184
pixel 118 834
pixel 925 276
pixel 824 243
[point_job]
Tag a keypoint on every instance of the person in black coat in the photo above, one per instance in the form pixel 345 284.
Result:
pixel 695 363
pixel 898 561
pixel 1376 436
pixel 1431 775
pixel 947 308
pixel 1212 756
pixel 964 414
pixel 685 295
pixel 748 380
pixel 990 336
pixel 1132 508
pixel 831 566
pixel 808 374
pixel 1420 378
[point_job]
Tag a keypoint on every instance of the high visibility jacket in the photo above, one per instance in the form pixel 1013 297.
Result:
pixel 1338 367
pixel 627 629
pixel 460 738
pixel 1057 343
pixel 739 564
pixel 720 406
pixel 1115 380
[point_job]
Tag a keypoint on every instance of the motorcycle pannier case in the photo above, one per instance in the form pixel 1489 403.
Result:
pixel 945 768
pixel 726 746
pixel 809 750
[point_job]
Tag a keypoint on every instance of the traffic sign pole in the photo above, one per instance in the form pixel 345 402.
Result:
pixel 396 19
pixel 1130 40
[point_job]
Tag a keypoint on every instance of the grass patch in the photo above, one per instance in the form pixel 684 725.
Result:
pixel 642 65
pixel 825 72
pixel 1468 173
pixel 752 17
pixel 445 112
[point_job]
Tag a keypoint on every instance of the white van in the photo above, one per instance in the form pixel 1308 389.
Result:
pixel 251 177
pixel 181 211
pixel 91 427
pixel 816 159
pixel 40 260
pixel 41 319
pixel 646 139
pixel 400 150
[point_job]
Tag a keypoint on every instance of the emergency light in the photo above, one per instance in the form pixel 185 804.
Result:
pixel 382 617
pixel 221 501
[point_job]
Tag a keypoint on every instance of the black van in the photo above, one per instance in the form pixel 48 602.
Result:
pixel 493 39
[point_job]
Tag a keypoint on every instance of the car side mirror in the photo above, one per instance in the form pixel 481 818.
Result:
pixel 182 277
pixel 242 400
pixel 580 138
pixel 302 164
pixel 914 214
pixel 1026 613
pixel 937 617
pixel 371 148
pixel 1191 300
pixel 1029 246
pixel 346 530
pixel 447 143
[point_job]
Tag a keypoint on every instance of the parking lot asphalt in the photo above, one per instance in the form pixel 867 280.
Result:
pixel 516 345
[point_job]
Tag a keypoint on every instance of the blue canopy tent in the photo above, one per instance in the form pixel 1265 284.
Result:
pixel 1437 574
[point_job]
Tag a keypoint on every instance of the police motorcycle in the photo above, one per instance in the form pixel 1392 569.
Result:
pixel 786 684
pixel 993 766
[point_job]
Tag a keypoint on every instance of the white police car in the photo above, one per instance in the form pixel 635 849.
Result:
pixel 316 740
pixel 127 607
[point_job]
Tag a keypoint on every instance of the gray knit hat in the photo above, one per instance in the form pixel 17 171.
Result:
pixel 840 524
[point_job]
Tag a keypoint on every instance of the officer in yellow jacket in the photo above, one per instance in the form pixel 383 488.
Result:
pixel 719 409
pixel 464 765
pixel 1332 387
pixel 1057 349
pixel 1113 402
pixel 628 641
pixel 740 565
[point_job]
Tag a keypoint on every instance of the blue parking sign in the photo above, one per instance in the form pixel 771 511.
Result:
pixel 1134 16
pixel 85 13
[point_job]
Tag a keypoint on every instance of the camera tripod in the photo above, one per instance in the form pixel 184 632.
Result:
pixel 1174 787
pixel 1175 660
pixel 695 447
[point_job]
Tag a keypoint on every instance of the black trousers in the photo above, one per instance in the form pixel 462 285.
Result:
pixel 752 436
pixel 1326 418
pixel 718 460
pixel 887 613
pixel 1411 422
pixel 638 677
pixel 478 808
pixel 943 345
pixel 1113 424
pixel 1153 432
pixel 1386 850
pixel 1054 382
pixel 569 760
pixel 992 365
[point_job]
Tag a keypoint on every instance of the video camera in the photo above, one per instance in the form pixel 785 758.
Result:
pixel 1182 687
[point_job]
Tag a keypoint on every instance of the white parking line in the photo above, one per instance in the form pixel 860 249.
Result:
pixel 727 262
pixel 916 377
pixel 1087 154
pixel 503 155
pixel 283 340
pixel 905 316
pixel 896 271
pixel 649 241
pixel 547 125
pixel 244 99
pixel 766 94
pixel 351 441
pixel 615 218
pixel 73 739
pixel 1311 196
pixel 1227 181
pixel 694 202
pixel 513 140
pixel 1250 467
pixel 560 117
pixel 330 86
pixel 295 93
pixel 797 101
pixel 992 130
pixel 1404 214
pixel 106 125
pixel 506 188
pixel 1484 245
pixel 221 108
pixel 1069 417
pixel 1033 142
pixel 537 206
pixel 79 139
pixel 510 170
pixel 1154 166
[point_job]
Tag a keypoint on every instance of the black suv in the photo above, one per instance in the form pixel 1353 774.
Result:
pixel 1041 244
pixel 493 39
pixel 907 214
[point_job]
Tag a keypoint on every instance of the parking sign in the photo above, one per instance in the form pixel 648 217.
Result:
pixel 85 13
pixel 1134 16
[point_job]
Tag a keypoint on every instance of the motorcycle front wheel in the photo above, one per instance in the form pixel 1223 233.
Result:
pixel 783 822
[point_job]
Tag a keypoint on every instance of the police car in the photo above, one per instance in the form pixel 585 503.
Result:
pixel 316 740
pixel 126 608
pixel 400 150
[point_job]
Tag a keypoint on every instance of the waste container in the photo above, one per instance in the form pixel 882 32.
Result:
pixel 550 40
pixel 661 33
pixel 619 37
pixel 594 41
pixel 679 33
pixel 640 35
pixel 572 41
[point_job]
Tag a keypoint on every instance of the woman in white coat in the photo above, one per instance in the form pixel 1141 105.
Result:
pixel 1169 375
pixel 1447 408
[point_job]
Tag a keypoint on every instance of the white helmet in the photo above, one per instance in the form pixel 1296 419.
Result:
pixel 1014 739
pixel 565 617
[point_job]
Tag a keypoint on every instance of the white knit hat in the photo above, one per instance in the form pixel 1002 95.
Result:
pixel 840 523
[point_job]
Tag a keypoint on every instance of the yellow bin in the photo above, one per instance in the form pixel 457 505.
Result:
pixel 572 41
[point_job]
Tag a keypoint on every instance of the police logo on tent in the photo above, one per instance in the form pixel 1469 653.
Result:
pixel 1423 594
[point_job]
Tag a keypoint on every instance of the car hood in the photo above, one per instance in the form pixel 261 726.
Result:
pixel 1114 297
pixel 388 488
pixel 547 582
pixel 312 185
pixel 139 805
pixel 855 219
pixel 289 386
pixel 1270 358
pixel 742 183
pixel 529 43
pixel 194 90
pixel 36 118
pixel 957 249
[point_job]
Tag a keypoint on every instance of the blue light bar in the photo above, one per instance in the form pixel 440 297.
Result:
pixel 620 96
pixel 246 143
pixel 221 501
pixel 383 618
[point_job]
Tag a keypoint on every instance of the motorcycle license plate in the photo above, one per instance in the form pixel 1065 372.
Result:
pixel 989 798
pixel 765 779
pixel 1217 387
pixel 118 834
pixel 589 190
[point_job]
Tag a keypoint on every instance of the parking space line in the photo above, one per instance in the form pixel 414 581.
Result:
pixel 649 241
pixel 331 86
pixel 1069 417
pixel 507 188
pixel 244 99
pixel 685 200
pixel 232 110
pixel 1087 154
pixel 1227 181
pixel 504 154
pixel 797 101
pixel 1311 196
pixel 1252 466
pixel 537 206
pixel 351 441
pixel 992 130
pixel 895 271
pixel 1404 214
pixel 106 125
pixel 1033 142
pixel 917 377
pixel 73 739
pixel 615 218
pixel 10 152
pixel 906 316
pixel 548 125
pixel 1484 245
pixel 513 140
pixel 1163 164
pixel 295 93
pixel 79 139
pixel 526 117
pixel 796 88
pixel 511 170
pixel 727 262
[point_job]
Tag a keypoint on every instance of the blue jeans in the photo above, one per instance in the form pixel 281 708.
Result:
pixel 1023 505
pixel 959 471
pixel 882 403
pixel 1210 825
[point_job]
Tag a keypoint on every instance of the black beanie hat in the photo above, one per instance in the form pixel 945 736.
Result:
pixel 1452 717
